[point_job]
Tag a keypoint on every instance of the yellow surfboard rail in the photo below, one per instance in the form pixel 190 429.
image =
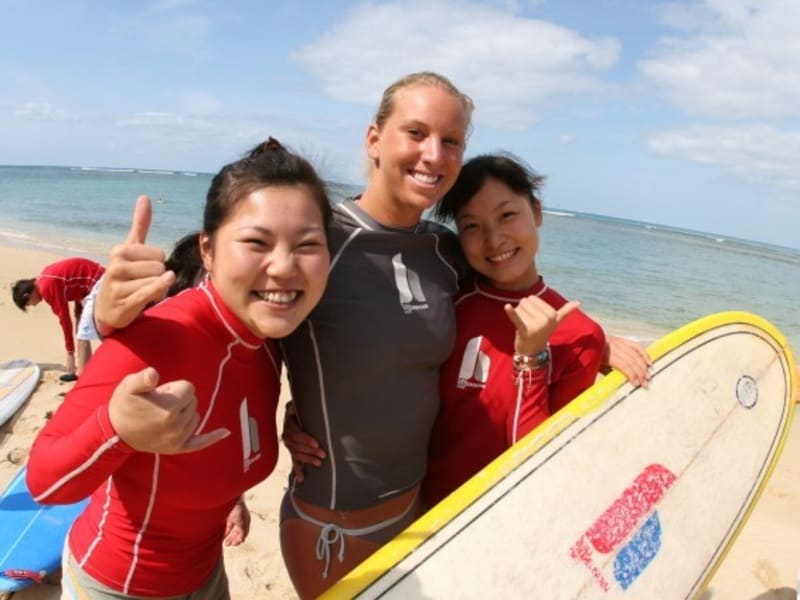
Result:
pixel 382 561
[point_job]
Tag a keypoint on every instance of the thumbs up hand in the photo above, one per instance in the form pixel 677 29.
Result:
pixel 161 419
pixel 135 275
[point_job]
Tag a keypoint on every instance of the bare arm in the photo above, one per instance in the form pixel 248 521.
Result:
pixel 628 357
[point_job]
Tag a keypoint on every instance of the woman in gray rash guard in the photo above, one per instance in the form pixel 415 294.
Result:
pixel 364 368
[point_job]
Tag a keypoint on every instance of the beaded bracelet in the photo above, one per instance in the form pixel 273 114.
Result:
pixel 526 362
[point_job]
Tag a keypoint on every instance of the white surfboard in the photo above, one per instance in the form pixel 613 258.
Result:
pixel 18 378
pixel 625 493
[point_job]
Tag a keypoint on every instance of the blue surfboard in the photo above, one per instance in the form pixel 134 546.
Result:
pixel 31 535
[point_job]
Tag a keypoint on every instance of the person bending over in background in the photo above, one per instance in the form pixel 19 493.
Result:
pixel 62 282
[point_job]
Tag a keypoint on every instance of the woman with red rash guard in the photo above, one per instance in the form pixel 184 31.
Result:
pixel 522 350
pixel 165 465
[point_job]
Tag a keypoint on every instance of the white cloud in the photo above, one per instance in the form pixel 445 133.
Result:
pixel 159 120
pixel 566 138
pixel 737 59
pixel 231 135
pixel 509 64
pixel 756 153
pixel 43 111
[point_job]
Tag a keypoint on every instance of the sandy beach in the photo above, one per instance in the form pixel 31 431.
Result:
pixel 763 562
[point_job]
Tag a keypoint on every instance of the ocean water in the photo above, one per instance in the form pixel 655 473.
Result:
pixel 637 279
pixel 88 210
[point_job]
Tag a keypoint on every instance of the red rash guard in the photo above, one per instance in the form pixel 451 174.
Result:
pixel 66 281
pixel 485 407
pixel 154 525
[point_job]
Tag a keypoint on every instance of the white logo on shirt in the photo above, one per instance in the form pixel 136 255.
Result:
pixel 251 448
pixel 474 371
pixel 409 288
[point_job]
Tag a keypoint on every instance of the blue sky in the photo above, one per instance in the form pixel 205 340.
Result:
pixel 682 113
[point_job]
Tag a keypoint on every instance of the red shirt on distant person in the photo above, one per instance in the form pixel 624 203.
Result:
pixel 65 281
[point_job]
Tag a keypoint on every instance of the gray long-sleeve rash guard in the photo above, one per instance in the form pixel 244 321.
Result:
pixel 364 366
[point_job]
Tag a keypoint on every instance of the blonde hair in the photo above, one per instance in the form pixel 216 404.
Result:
pixel 422 78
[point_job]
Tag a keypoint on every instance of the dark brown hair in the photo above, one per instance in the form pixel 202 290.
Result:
pixel 268 164
pixel 505 168
pixel 21 292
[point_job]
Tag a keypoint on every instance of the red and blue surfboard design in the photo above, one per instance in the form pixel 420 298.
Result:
pixel 629 530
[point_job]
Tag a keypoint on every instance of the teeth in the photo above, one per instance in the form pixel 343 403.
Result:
pixel 278 297
pixel 501 257
pixel 425 178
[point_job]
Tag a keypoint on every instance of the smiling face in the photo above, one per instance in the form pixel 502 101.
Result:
pixel 416 153
pixel 499 231
pixel 269 259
